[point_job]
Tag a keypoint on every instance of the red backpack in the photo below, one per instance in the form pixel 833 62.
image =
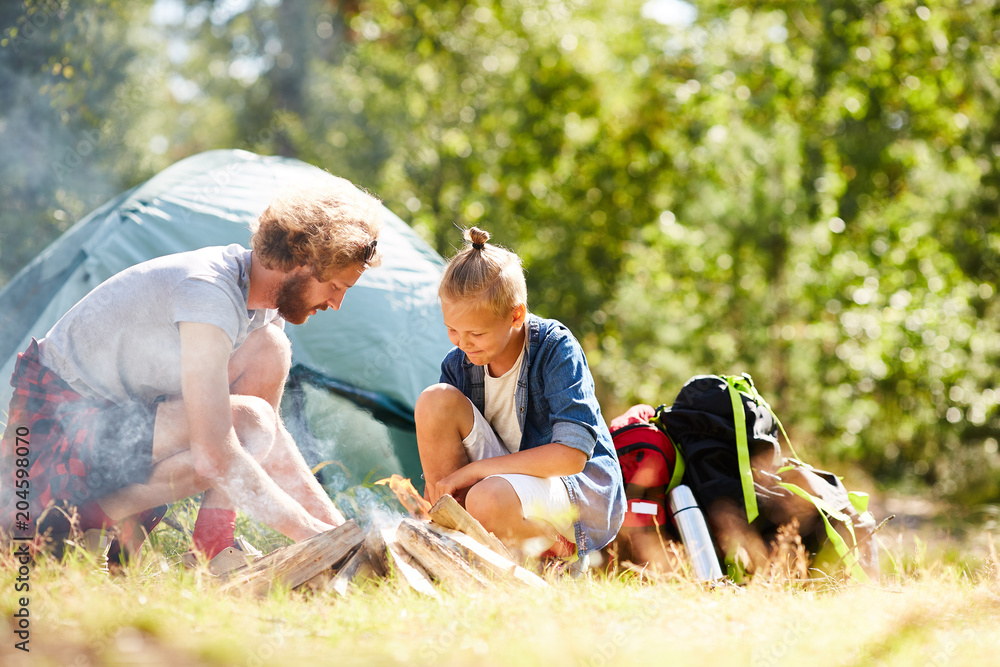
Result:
pixel 650 468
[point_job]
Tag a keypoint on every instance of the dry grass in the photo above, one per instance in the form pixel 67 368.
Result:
pixel 935 612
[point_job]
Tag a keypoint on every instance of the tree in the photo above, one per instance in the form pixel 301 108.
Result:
pixel 805 191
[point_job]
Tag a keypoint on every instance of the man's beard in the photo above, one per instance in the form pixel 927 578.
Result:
pixel 291 303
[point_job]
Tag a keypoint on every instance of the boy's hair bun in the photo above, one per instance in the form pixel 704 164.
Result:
pixel 477 237
pixel 491 275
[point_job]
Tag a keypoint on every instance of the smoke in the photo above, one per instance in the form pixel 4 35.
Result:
pixel 332 428
pixel 349 449
pixel 111 446
pixel 70 99
pixel 67 132
pixel 36 206
pixel 368 506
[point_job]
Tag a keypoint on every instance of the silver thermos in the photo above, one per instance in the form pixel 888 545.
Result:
pixel 691 524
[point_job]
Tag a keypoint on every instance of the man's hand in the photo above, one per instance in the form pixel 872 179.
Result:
pixel 321 527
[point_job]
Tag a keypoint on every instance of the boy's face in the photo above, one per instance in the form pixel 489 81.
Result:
pixel 483 336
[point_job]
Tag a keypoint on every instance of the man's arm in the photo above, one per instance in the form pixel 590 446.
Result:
pixel 286 466
pixel 254 365
pixel 216 450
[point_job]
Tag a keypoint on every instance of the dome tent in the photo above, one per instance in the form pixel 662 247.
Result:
pixel 356 372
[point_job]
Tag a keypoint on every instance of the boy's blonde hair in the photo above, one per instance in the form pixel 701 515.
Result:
pixel 327 226
pixel 485 272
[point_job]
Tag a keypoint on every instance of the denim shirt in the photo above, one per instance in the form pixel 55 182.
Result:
pixel 556 403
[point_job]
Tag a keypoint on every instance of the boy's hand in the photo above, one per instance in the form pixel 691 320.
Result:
pixel 456 482
pixel 637 414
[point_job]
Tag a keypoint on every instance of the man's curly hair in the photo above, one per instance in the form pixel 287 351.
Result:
pixel 326 227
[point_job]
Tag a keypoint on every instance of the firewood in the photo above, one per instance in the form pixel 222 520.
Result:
pixel 298 563
pixel 368 562
pixel 488 560
pixel 406 565
pixel 358 567
pixel 448 513
pixel 439 559
pixel 378 552
pixel 321 581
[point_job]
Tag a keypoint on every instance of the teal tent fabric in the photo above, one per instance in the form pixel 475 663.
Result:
pixel 379 350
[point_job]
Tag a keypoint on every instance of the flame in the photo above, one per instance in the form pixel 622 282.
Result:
pixel 408 496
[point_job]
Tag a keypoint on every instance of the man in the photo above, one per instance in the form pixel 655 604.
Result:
pixel 165 381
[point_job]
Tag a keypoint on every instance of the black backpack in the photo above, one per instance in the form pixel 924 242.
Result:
pixel 719 457
pixel 727 435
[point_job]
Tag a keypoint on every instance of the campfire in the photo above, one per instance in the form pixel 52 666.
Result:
pixel 436 545
pixel 408 496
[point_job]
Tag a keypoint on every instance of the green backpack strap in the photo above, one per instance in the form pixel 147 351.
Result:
pixel 675 479
pixel 744 383
pixel 826 511
pixel 742 449
pixel 678 473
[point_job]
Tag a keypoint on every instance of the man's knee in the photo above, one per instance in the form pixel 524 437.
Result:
pixel 260 366
pixel 274 344
pixel 256 424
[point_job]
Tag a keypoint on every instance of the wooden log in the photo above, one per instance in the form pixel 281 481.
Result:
pixel 448 513
pixel 437 558
pixel 406 565
pixel 488 560
pixel 358 567
pixel 321 581
pixel 378 552
pixel 298 563
pixel 368 562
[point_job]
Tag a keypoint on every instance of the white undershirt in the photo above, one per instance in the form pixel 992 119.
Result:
pixel 501 406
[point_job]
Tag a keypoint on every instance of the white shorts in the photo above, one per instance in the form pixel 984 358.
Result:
pixel 544 498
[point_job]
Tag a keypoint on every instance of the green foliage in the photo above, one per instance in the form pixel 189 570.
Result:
pixel 81 92
pixel 804 191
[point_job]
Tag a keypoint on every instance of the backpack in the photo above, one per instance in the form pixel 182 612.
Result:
pixel 651 468
pixel 720 456
pixel 726 438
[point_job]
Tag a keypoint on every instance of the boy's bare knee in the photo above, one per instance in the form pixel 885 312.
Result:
pixel 438 401
pixel 495 504
pixel 255 423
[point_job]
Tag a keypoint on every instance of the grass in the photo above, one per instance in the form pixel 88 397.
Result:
pixel 937 612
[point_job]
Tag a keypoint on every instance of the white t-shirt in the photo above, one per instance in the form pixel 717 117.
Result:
pixel 121 342
pixel 501 408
